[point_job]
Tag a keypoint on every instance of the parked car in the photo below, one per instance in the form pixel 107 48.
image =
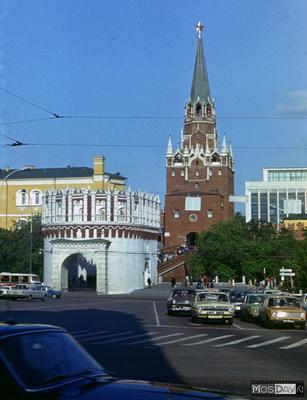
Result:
pixel 236 297
pixel 45 362
pixel 27 292
pixel 251 306
pixel 284 310
pixel 212 306
pixel 303 301
pixel 180 301
pixel 54 293
pixel 4 291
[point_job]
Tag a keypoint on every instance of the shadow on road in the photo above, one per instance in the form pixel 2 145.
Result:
pixel 129 362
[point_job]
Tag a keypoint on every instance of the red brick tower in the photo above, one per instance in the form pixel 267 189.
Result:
pixel 199 175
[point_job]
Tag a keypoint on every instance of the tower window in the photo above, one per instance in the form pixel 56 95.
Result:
pixel 209 111
pixel 197 173
pixel 196 185
pixel 176 213
pixel 198 109
pixel 182 172
pixel 209 213
pixel 173 172
pixel 220 172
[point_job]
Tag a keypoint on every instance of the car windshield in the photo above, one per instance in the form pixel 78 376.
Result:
pixel 255 299
pixel 236 296
pixel 183 293
pixel 212 297
pixel 37 358
pixel 283 301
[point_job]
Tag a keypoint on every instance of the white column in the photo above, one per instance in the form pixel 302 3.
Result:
pixel 85 193
pixel 109 199
pixel 93 205
pixel 69 206
pixel 115 206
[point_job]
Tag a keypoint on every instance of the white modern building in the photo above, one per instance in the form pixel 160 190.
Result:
pixel 281 192
pixel 106 240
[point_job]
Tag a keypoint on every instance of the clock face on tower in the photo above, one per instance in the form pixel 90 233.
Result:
pixel 193 217
pixel 178 157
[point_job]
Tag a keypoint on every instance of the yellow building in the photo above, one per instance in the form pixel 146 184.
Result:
pixel 21 190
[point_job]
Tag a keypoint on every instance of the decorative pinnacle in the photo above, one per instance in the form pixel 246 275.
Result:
pixel 199 28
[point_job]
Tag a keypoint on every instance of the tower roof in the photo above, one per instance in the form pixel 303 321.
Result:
pixel 200 83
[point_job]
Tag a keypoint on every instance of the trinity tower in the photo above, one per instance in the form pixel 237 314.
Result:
pixel 199 173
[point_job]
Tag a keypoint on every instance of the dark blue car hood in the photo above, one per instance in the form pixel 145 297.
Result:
pixel 117 389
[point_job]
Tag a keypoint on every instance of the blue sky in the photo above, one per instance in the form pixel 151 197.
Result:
pixel 136 58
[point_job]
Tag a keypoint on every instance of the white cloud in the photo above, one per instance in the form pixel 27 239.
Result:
pixel 296 104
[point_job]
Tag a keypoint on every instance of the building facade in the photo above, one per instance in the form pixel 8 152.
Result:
pixel 281 193
pixel 105 240
pixel 199 173
pixel 21 190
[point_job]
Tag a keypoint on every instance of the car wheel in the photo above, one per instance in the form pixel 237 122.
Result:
pixel 268 324
pixel 29 298
pixel 54 296
pixel 229 321
pixel 302 326
pixel 43 298
pixel 195 319
pixel 169 312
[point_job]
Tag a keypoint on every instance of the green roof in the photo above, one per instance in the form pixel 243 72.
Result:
pixel 200 83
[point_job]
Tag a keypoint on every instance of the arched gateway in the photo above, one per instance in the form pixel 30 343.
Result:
pixel 107 241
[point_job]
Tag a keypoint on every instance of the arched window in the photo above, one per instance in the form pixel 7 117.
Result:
pixel 198 109
pixel 101 214
pixel 22 198
pixel 77 210
pixel 36 198
pixel 20 223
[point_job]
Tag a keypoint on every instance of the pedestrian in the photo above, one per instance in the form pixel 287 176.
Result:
pixel 149 283
pixel 173 282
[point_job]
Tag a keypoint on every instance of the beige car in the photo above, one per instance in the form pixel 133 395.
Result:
pixel 284 310
pixel 212 306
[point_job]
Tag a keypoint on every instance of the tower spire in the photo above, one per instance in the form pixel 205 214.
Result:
pixel 200 84
pixel 169 150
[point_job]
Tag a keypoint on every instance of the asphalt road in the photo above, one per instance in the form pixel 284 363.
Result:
pixel 132 336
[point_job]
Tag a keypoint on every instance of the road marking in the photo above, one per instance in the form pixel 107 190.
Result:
pixel 181 339
pixel 156 314
pixel 156 338
pixel 237 341
pixel 239 327
pixel 106 336
pixel 253 346
pixel 296 344
pixel 126 338
pixel 82 335
pixel 208 340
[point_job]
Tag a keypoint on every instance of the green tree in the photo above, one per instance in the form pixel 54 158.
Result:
pixel 256 250
pixel 15 247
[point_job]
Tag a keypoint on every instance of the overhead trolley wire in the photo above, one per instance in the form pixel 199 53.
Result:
pixel 30 102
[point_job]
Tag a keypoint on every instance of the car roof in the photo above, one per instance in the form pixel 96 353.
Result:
pixel 212 292
pixel 11 329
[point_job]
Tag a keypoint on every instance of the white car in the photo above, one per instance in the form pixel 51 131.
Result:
pixel 4 290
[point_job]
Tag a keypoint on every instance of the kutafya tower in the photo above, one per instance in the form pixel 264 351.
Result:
pixel 199 173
